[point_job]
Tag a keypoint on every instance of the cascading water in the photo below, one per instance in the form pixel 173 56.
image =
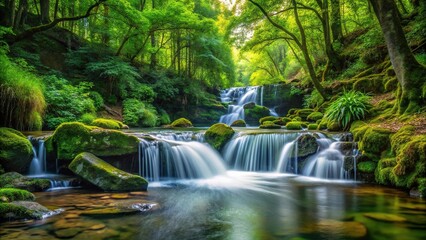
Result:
pixel 326 164
pixel 164 159
pixel 236 112
pixel 256 152
pixel 38 163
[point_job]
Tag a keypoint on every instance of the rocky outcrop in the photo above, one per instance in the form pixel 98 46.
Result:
pixel 104 175
pixel 218 135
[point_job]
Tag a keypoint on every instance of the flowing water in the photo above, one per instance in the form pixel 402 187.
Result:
pixel 240 205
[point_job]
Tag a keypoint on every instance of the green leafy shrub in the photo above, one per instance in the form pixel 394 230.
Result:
pixel 66 102
pixel 87 118
pixel 138 114
pixel 349 107
pixel 313 100
pixel 98 100
pixel 164 117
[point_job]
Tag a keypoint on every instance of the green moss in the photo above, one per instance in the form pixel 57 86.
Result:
pixel 280 122
pixel 401 137
pixel 422 186
pixel 16 180
pixel 218 135
pixel 181 122
pixel 375 140
pixel 366 167
pixel 104 175
pixel 252 115
pixel 303 113
pixel 108 123
pixel 409 155
pixel 11 211
pixel 315 116
pixel 239 123
pixel 383 172
pixel 70 139
pixel 269 125
pixel 296 119
pixel 294 126
pixel 268 118
pixel 333 126
pixel 313 126
pixel 285 120
pixel 13 194
pixel 15 150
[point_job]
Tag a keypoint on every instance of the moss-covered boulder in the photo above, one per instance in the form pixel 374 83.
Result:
pixel 334 126
pixel 313 126
pixel 367 167
pixel 109 123
pixel 181 123
pixel 269 125
pixel 252 115
pixel 303 113
pixel 14 194
pixel 268 118
pixel 70 139
pixel 218 135
pixel 16 180
pixel 22 210
pixel 15 150
pixel 315 116
pixel 104 175
pixel 239 123
pixel 294 126
pixel 306 145
pixel 375 140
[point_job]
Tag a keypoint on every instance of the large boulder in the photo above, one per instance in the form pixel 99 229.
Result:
pixel 72 138
pixel 22 210
pixel 109 124
pixel 254 113
pixel 181 123
pixel 15 150
pixel 104 175
pixel 218 135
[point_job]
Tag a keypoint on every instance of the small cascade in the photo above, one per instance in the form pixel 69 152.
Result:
pixel 38 163
pixel 326 164
pixel 180 136
pixel 261 95
pixel 165 159
pixel 241 96
pixel 256 152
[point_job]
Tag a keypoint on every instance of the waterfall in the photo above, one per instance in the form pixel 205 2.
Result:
pixel 165 159
pixel 256 152
pixel 241 96
pixel 38 163
pixel 261 95
pixel 326 164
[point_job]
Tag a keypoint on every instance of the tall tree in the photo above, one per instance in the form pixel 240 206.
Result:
pixel 336 21
pixel 410 74
pixel 44 11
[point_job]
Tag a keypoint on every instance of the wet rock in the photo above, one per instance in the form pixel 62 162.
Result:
pixel 218 135
pixel 120 196
pixel 105 233
pixel 108 212
pixel 138 193
pixel 16 180
pixel 343 229
pixel 71 216
pixel 346 148
pixel 306 145
pixel 348 163
pixel 68 232
pixel 346 137
pixel 97 227
pixel 104 175
pixel 385 217
pixel 15 150
pixel 411 206
pixel 22 210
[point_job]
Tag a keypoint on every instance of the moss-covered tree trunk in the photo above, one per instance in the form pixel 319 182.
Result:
pixel 410 74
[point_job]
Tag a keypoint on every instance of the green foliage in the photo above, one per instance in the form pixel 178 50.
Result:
pixel 87 118
pixel 353 69
pixel 349 107
pixel 98 101
pixel 181 122
pixel 22 101
pixel 269 125
pixel 164 117
pixel 16 180
pixel 313 126
pixel 138 114
pixel 13 194
pixel 366 167
pixel 315 116
pixel 66 102
pixel 107 123
pixel 313 100
pixel 218 135
pixel 268 118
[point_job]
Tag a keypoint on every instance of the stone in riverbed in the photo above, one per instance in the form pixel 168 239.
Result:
pixel 68 232
pixel 385 217
pixel 97 227
pixel 104 175
pixel 15 150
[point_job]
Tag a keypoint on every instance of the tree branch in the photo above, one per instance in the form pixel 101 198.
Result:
pixel 30 32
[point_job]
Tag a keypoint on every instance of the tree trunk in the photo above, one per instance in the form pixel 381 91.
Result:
pixel 10 13
pixel 410 74
pixel 21 14
pixel 336 21
pixel 153 44
pixel 44 11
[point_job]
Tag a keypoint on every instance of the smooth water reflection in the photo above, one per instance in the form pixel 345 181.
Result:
pixel 244 206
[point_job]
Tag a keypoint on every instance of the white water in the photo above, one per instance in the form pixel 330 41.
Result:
pixel 38 163
pixel 326 164
pixel 242 96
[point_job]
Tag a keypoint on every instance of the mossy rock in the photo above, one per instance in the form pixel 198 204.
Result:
pixel 252 115
pixel 104 175
pixel 367 167
pixel 315 116
pixel 286 120
pixel 16 151
pixel 306 145
pixel 383 173
pixel 181 123
pixel 239 123
pixel 422 186
pixel 108 123
pixel 375 140
pixel 268 118
pixel 294 126
pixel 22 210
pixel 372 83
pixel 333 126
pixel 400 138
pixel 14 194
pixel 411 162
pixel 296 119
pixel 16 180
pixel 72 138
pixel 269 125
pixel 313 126
pixel 304 113
pixel 218 135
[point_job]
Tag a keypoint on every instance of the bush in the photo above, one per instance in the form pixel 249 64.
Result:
pixel 97 99
pixel 87 118
pixel 351 106
pixel 137 114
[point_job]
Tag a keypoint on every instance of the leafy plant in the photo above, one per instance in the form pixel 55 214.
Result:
pixel 138 114
pixel 351 106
